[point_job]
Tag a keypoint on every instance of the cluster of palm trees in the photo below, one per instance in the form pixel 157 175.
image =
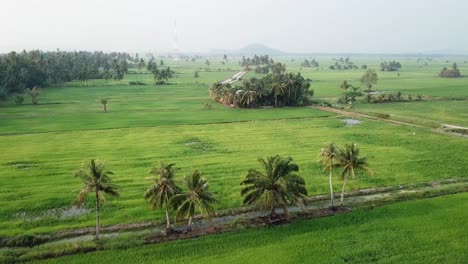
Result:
pixel 347 158
pixel 278 89
pixel 277 185
pixel 37 68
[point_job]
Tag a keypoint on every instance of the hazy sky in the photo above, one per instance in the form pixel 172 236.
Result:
pixel 368 26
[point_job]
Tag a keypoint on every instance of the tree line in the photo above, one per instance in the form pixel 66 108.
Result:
pixel 28 69
pixel 277 185
pixel 262 63
pixel 390 66
pixel 278 89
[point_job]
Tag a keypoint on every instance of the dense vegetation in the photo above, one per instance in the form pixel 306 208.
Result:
pixel 310 63
pixel 37 68
pixel 390 66
pixel 343 64
pixel 279 89
pixel 262 63
pixel 454 72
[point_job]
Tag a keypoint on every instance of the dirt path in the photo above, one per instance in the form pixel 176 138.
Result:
pixel 236 77
pixel 314 203
pixel 355 114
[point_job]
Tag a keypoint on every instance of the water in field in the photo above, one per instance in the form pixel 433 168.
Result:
pixel 351 122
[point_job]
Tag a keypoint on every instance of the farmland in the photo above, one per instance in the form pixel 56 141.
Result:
pixel 44 145
pixel 383 235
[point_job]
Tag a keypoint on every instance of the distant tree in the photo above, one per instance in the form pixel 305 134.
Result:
pixel 107 75
pixel 351 161
pixel 450 73
pixel 278 68
pixel 104 102
pixel 95 180
pixel 277 186
pixel 163 187
pixel 196 197
pixel 369 79
pixel 196 75
pixel 364 67
pixel 161 63
pixel 207 63
pixel 141 64
pixel 34 93
pixel 225 57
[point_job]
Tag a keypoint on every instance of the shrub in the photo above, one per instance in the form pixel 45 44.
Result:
pixel 19 99
pixel 136 83
pixel 379 115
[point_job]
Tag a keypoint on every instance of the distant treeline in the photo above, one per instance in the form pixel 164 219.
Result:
pixel 262 63
pixel 390 66
pixel 38 68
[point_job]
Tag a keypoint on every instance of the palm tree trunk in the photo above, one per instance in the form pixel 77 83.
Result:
pixel 105 108
pixel 97 216
pixel 286 211
pixel 342 191
pixel 190 223
pixel 168 221
pixel 331 184
pixel 276 100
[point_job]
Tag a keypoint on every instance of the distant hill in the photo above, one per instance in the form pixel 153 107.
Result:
pixel 251 49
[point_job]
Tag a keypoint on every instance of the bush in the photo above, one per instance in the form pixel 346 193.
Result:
pixel 19 99
pixel 136 83
pixel 379 115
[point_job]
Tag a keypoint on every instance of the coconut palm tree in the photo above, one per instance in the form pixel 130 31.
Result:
pixel 196 197
pixel 215 90
pixel 277 186
pixel 350 161
pixel 104 102
pixel 328 156
pixel 34 93
pixel 247 98
pixel 163 187
pixel 95 180
pixel 277 88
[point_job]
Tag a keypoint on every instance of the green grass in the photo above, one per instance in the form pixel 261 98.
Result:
pixel 43 145
pixel 424 231
pixel 437 112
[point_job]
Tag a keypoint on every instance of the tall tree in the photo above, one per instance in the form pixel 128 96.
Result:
pixel 163 187
pixel 277 186
pixel 328 156
pixel 196 197
pixel 369 79
pixel 350 161
pixel 95 180
pixel 277 88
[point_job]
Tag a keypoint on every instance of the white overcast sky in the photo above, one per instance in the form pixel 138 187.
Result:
pixel 367 26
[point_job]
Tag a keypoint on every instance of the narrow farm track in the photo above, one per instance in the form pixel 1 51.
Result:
pixel 441 130
pixel 357 115
pixel 317 206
